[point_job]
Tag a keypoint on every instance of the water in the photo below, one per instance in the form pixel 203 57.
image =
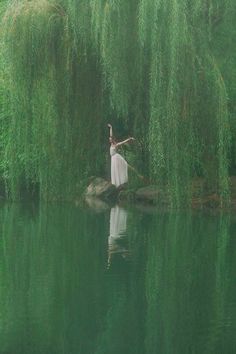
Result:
pixel 101 281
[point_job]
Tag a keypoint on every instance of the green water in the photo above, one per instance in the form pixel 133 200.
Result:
pixel 75 280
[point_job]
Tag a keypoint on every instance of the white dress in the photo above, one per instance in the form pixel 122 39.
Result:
pixel 119 168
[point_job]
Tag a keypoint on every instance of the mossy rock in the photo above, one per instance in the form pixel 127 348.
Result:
pixel 126 195
pixel 100 188
pixel 149 194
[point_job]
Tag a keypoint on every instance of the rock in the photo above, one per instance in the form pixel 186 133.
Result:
pixel 126 195
pixel 149 194
pixel 100 188
pixel 212 201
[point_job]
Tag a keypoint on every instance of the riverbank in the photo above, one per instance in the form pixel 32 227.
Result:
pixel 102 194
pixel 153 195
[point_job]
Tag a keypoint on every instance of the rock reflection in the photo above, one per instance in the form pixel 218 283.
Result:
pixel 97 205
pixel 117 242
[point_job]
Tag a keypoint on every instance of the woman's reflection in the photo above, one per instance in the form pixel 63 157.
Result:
pixel 117 237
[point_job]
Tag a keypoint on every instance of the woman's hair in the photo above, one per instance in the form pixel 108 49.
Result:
pixel 112 139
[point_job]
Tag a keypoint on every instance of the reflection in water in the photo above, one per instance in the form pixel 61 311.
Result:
pixel 177 295
pixel 116 239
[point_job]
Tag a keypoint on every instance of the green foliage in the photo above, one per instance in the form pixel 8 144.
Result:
pixel 160 67
pixel 55 93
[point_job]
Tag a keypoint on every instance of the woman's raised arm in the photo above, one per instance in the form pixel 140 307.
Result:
pixel 110 130
pixel 125 141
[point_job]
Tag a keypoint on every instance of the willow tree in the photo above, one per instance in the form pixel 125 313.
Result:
pixel 188 102
pixel 55 93
pixel 155 67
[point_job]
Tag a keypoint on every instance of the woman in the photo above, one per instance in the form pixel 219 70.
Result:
pixel 119 167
